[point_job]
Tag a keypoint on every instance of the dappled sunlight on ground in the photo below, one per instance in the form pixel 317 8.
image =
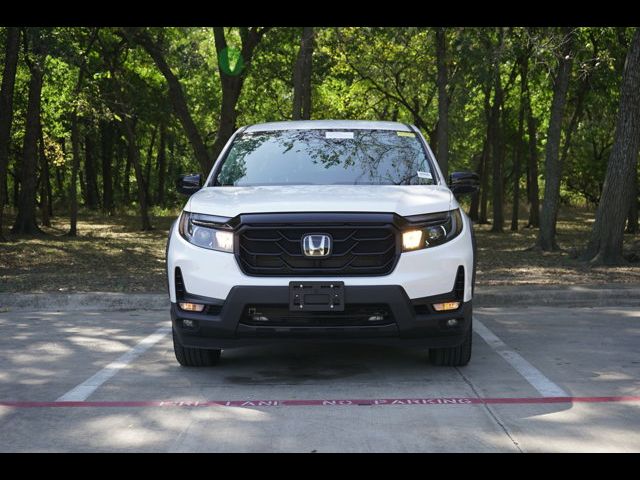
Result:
pixel 504 258
pixel 112 254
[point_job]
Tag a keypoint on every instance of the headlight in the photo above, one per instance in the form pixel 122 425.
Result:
pixel 433 234
pixel 198 230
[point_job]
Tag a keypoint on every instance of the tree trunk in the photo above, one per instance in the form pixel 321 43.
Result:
pixel 231 84
pixel 475 197
pixel 133 154
pixel 442 132
pixel 532 170
pixel 6 111
pixel 496 162
pixel 118 176
pixel 59 172
pixel 147 176
pixel 519 150
pixel 497 148
pixel 605 244
pixel 73 184
pixel 26 219
pixel 90 172
pixel 106 141
pixel 75 143
pixel 45 182
pixel 484 187
pixel 161 164
pixel 632 217
pixel 126 180
pixel 302 76
pixel 553 169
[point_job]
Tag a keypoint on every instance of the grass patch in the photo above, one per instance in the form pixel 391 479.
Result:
pixel 109 254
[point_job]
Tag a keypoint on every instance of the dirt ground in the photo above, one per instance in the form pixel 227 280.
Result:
pixel 111 254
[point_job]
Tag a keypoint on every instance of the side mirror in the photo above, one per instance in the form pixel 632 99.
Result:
pixel 464 183
pixel 189 184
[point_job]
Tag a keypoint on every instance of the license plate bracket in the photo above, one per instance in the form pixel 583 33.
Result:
pixel 316 296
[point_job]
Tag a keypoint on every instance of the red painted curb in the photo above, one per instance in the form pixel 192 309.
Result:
pixel 321 403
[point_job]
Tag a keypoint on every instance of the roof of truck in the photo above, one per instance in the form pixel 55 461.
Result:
pixel 328 125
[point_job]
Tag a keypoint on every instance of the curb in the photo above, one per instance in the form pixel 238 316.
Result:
pixel 622 295
pixel 527 295
pixel 84 301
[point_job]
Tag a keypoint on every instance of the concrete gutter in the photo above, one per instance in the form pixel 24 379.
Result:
pixel 608 295
pixel 83 301
pixel 522 295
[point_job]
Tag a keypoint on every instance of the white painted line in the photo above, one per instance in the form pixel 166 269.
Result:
pixel 91 384
pixel 530 373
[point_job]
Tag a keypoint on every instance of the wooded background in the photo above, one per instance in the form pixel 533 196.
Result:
pixel 105 119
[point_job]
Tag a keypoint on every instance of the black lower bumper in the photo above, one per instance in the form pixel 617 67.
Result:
pixel 227 323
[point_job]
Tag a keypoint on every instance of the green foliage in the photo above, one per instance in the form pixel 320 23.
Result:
pixel 358 72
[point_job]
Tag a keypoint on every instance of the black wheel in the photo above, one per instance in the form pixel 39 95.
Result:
pixel 453 356
pixel 194 357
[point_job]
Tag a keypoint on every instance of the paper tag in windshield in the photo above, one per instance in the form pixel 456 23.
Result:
pixel 406 134
pixel 341 135
pixel 426 175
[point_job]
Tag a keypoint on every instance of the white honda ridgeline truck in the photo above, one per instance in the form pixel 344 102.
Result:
pixel 340 231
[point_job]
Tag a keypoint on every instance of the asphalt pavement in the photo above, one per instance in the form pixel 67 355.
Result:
pixel 542 379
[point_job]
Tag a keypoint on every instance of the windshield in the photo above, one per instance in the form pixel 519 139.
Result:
pixel 326 157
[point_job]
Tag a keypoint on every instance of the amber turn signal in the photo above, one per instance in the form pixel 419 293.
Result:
pixel 441 307
pixel 191 307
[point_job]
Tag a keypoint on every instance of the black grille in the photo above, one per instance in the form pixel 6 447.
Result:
pixel 357 249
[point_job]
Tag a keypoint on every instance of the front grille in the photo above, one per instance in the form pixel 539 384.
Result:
pixel 353 316
pixel 357 249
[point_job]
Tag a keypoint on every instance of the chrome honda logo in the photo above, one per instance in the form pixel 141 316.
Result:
pixel 316 245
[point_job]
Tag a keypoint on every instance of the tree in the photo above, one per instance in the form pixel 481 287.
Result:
pixel 176 94
pixel 497 145
pixel 82 62
pixel 302 76
pixel 606 241
pixel 519 149
pixel 107 134
pixel 161 165
pixel 442 131
pixel 553 168
pixel 35 57
pixel 533 191
pixel 231 80
pixel 6 110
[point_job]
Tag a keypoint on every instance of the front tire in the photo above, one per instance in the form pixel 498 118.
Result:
pixel 194 357
pixel 453 356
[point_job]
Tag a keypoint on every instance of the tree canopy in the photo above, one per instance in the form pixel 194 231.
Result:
pixel 105 118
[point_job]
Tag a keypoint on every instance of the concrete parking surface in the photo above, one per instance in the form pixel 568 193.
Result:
pixel 541 379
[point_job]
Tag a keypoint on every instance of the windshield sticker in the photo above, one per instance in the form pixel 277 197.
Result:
pixel 426 175
pixel 340 135
pixel 406 134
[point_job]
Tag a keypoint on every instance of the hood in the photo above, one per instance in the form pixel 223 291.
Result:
pixel 403 200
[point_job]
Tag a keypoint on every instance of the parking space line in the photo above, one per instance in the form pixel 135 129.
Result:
pixel 90 385
pixel 530 373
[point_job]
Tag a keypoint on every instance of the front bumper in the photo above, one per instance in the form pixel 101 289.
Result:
pixel 411 321
pixel 421 273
